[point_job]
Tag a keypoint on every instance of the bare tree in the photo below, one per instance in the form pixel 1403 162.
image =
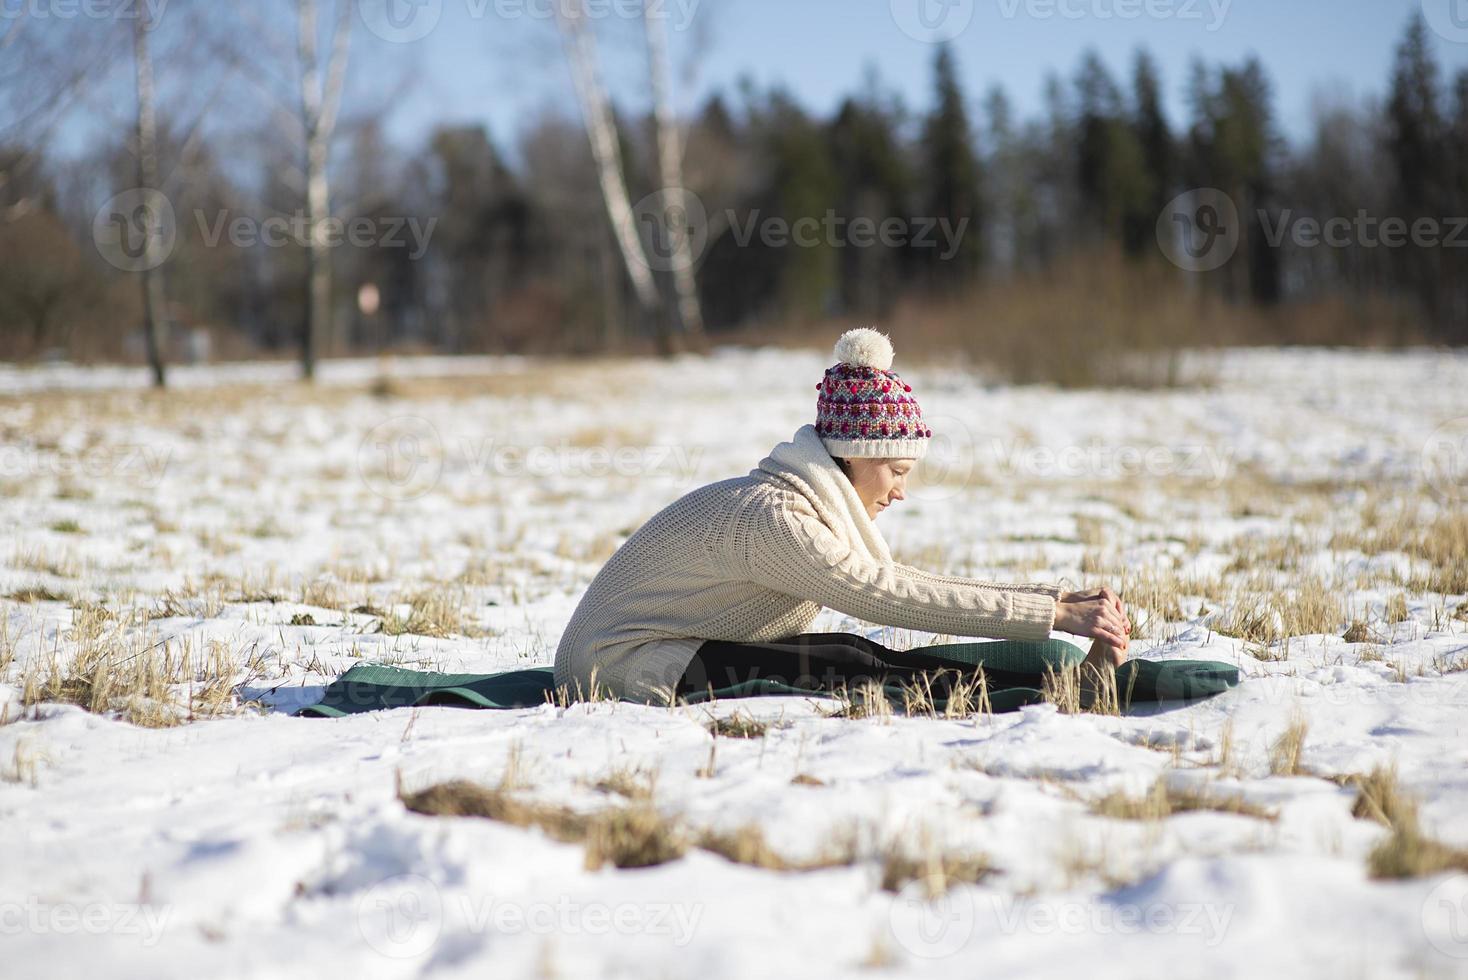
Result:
pixel 670 171
pixel 321 99
pixel 602 132
pixel 147 135
pixel 44 75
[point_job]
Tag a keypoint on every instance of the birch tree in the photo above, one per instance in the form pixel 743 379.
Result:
pixel 321 96
pixel 670 172
pixel 147 154
pixel 601 130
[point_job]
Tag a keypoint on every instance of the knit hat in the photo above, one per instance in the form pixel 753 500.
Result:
pixel 864 409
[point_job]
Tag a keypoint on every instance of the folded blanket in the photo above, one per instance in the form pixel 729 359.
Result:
pixel 369 687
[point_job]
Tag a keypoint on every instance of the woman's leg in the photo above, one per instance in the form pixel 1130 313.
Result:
pixel 810 661
pixel 1005 664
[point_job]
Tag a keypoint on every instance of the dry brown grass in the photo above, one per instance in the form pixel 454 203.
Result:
pixel 1085 689
pixel 634 835
pixel 1287 751
pixel 866 700
pixel 1050 326
pixel 1162 801
pixel 144 681
pixel 936 867
pixel 633 782
pixel 436 610
pixel 1406 852
pixel 739 724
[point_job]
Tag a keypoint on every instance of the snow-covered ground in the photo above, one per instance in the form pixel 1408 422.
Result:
pixel 217 554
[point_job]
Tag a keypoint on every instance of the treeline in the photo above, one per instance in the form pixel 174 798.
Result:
pixel 473 246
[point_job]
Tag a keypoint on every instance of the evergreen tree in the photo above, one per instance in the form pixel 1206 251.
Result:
pixel 1417 142
pixel 1153 135
pixel 952 180
pixel 873 183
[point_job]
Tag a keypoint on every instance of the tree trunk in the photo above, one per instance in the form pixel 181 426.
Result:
pixel 670 171
pixel 320 102
pixel 152 281
pixel 602 133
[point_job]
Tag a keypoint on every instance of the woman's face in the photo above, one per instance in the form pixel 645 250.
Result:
pixel 879 482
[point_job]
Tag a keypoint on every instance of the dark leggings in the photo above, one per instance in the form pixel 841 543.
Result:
pixel 830 661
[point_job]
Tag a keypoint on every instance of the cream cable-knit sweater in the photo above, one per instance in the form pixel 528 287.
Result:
pixel 754 558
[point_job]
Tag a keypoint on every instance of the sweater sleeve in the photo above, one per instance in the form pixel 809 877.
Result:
pixel 1053 589
pixel 798 555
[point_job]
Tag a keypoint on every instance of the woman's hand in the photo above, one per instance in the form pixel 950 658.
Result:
pixel 1098 614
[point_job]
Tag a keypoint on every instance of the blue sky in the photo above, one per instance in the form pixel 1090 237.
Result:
pixel 499 62
pixel 502 64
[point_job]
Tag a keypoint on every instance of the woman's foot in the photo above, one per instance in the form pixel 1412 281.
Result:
pixel 1104 654
pixel 1098 671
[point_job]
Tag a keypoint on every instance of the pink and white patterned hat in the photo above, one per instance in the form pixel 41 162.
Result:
pixel 864 409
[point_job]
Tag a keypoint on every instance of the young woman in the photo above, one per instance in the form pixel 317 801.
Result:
pixel 719 586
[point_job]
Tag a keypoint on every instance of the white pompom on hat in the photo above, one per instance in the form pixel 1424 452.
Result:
pixel 864 409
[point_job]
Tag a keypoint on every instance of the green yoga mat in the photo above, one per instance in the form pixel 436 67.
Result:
pixel 1010 665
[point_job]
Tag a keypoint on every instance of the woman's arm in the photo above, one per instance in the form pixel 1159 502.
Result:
pixel 1052 589
pixel 796 554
